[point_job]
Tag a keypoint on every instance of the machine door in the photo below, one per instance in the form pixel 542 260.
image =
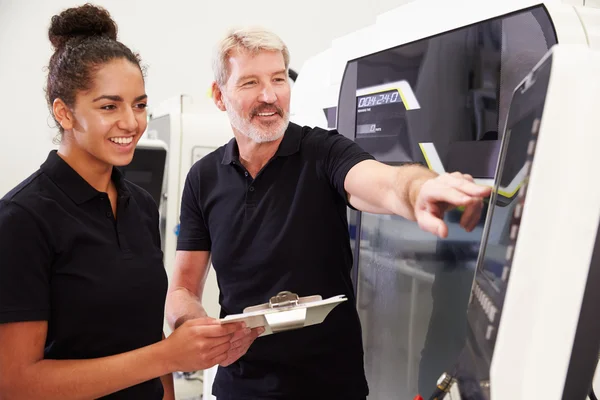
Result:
pixel 546 253
pixel 503 218
pixel 442 102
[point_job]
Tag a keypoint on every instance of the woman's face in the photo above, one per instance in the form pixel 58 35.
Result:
pixel 109 119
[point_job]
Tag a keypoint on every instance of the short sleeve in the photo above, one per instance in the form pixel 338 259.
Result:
pixel 25 265
pixel 340 155
pixel 193 232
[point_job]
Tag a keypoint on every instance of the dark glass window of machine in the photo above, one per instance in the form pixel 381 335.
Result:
pixel 443 102
pixel 450 91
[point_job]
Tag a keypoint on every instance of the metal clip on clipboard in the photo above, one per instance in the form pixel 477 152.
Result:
pixel 286 311
pixel 284 299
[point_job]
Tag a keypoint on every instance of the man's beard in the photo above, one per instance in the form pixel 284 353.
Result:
pixel 263 133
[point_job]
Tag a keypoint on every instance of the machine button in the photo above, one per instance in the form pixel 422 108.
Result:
pixel 488 334
pixel 509 252
pixel 522 190
pixel 505 272
pixel 513 231
pixel 518 209
pixel 535 126
pixel 492 314
pixel 531 147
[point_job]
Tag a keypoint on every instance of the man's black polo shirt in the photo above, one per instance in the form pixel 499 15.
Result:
pixel 99 282
pixel 284 230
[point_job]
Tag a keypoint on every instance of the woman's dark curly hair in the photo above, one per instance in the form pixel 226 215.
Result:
pixel 84 39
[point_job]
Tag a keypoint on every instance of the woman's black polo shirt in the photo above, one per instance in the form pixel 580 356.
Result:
pixel 284 230
pixel 99 282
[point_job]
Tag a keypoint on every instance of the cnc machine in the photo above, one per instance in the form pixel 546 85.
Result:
pixel 432 82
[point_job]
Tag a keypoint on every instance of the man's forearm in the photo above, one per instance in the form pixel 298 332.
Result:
pixel 414 192
pixel 404 188
pixel 382 189
pixel 410 179
pixel 183 305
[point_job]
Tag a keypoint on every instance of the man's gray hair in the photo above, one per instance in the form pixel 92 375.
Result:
pixel 253 40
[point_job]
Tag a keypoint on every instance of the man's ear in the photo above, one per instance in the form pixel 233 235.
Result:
pixel 217 96
pixel 63 114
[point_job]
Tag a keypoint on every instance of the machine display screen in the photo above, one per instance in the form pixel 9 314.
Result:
pixel 502 225
pixel 377 99
pixel 140 177
pixel 381 113
pixel 512 173
pixel 147 169
pixel 511 176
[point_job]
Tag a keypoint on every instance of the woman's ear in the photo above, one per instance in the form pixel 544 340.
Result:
pixel 63 114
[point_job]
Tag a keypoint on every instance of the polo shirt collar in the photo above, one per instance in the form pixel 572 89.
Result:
pixel 72 184
pixel 288 146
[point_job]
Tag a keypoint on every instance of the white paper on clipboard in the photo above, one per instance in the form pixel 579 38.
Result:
pixel 285 312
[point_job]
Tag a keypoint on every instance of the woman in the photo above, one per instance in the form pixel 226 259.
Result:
pixel 82 282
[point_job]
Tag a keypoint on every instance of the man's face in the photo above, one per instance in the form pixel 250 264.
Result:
pixel 257 95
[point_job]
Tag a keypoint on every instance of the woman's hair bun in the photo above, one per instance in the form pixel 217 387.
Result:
pixel 78 22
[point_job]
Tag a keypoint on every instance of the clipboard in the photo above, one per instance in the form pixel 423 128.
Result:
pixel 286 311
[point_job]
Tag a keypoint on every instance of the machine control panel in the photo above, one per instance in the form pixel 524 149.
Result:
pixel 497 252
pixel 501 231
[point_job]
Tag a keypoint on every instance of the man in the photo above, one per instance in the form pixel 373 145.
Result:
pixel 270 208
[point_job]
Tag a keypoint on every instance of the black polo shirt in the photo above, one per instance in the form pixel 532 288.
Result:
pixel 98 281
pixel 284 230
